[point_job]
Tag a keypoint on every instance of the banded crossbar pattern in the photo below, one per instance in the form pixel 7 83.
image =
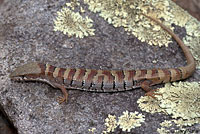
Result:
pixel 106 80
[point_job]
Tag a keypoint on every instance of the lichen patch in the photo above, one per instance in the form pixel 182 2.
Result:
pixel 181 100
pixel 127 121
pixel 149 104
pixel 127 14
pixel 73 24
pixel 110 123
pixel 193 39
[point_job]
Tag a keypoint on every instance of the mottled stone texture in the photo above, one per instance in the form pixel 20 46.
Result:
pixel 26 34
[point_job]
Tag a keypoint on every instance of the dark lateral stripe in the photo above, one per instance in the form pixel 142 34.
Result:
pixel 118 83
pixel 61 72
pixel 129 75
pixel 97 82
pixel 60 75
pixel 79 74
pixel 108 81
pixel 51 70
pixel 68 76
pixel 178 71
pixel 154 73
pixel 91 73
pixel 167 76
pixel 181 75
pixel 99 79
pixel 183 72
pixel 119 76
pixel 142 75
pixel 108 78
pixel 175 74
pixel 78 78
pixel 69 73
pixel 103 80
pixel 128 78
pixel 137 74
pixel 88 78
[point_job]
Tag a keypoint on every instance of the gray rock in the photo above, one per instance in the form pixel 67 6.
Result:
pixel 26 34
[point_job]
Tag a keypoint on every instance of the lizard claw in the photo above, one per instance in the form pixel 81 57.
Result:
pixel 61 99
pixel 152 93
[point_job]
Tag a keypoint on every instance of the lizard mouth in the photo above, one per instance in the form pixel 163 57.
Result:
pixel 18 78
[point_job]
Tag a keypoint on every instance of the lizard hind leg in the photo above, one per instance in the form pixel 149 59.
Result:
pixel 145 85
pixel 65 93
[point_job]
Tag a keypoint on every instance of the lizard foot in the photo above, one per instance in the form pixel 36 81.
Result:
pixel 61 99
pixel 152 93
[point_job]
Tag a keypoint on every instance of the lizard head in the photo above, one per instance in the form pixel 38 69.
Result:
pixel 26 72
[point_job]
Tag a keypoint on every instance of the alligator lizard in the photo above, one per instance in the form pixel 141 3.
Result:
pixel 105 80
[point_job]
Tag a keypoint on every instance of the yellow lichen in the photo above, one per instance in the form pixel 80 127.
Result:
pixel 73 4
pixel 165 127
pixel 181 123
pixel 177 126
pixel 110 123
pixel 72 23
pixel 163 131
pixel 181 99
pixel 193 39
pixel 179 16
pixel 92 130
pixel 166 123
pixel 127 14
pixel 149 104
pixel 127 121
pixel 192 26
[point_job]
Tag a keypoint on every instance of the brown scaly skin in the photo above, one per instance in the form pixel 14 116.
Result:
pixel 105 80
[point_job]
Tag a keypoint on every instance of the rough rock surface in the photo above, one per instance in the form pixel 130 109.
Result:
pixel 193 7
pixel 26 34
